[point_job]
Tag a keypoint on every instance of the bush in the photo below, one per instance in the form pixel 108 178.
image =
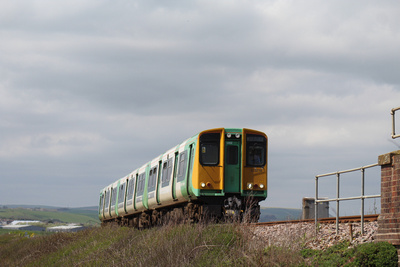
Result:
pixel 369 254
pixel 375 254
pixel 336 255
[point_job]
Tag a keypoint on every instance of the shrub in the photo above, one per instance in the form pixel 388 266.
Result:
pixel 336 255
pixel 368 254
pixel 375 254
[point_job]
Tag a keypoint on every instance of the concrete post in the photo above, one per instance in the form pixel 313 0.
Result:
pixel 309 208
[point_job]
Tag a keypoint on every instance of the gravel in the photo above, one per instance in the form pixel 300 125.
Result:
pixel 303 235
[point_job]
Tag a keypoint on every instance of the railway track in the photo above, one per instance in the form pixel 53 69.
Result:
pixel 344 219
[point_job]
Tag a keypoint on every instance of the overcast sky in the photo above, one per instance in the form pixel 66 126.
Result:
pixel 91 90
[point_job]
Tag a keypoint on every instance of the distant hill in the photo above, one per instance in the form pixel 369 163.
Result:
pixel 279 214
pixel 86 215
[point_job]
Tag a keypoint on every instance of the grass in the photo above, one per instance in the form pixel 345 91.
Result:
pixel 171 245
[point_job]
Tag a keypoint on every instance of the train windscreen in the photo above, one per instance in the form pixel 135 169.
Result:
pixel 256 150
pixel 209 149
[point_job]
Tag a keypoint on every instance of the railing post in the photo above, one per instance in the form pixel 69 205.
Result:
pixel 394 135
pixel 362 199
pixel 337 201
pixel 316 204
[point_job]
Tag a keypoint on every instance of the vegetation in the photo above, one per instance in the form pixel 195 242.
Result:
pixel 65 215
pixel 368 254
pixel 88 215
pixel 178 245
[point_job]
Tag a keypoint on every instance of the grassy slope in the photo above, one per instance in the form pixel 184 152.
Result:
pixel 182 245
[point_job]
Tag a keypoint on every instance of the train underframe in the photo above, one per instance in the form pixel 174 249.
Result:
pixel 214 209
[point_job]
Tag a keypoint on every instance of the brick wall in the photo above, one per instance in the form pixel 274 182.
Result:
pixel 389 219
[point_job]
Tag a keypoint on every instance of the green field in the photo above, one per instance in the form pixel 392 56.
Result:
pixel 80 215
pixel 88 215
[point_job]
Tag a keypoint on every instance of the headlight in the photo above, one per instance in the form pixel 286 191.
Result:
pixel 261 186
pixel 250 186
pixel 228 135
pixel 203 185
pixel 237 135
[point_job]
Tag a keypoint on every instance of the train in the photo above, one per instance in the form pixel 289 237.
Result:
pixel 216 174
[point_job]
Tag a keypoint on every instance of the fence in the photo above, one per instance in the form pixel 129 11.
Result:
pixel 338 199
pixel 394 135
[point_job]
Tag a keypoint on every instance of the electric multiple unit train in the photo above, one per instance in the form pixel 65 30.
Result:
pixel 218 173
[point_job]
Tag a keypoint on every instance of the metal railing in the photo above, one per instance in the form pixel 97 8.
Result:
pixel 338 198
pixel 394 135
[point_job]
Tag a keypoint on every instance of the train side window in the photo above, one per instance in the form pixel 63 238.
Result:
pixel 131 184
pixel 141 181
pixel 165 178
pixel 155 174
pixel 107 203
pixel 152 179
pixel 170 168
pixel 256 150
pixel 166 172
pixel 114 196
pixel 101 203
pixel 121 193
pixel 209 149
pixel 182 166
pixel 209 153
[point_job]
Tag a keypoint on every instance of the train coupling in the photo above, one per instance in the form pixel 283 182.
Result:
pixel 232 206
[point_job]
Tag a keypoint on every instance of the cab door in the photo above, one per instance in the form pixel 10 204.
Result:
pixel 233 161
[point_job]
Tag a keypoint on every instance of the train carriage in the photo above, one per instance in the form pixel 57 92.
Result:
pixel 219 172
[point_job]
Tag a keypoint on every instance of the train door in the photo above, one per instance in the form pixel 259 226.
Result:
pixel 174 195
pixel 190 170
pixel 233 170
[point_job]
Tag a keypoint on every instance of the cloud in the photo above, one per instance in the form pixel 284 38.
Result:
pixel 90 90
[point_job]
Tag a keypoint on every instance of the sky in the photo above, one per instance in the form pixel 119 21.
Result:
pixel 91 90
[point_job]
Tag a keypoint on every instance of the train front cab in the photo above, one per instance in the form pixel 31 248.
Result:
pixel 231 169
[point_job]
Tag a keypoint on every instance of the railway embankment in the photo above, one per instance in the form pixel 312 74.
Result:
pixel 305 234
pixel 188 245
